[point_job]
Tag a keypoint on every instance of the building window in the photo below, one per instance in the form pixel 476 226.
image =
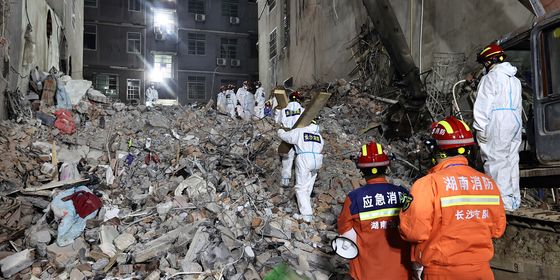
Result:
pixel 135 5
pixel 132 89
pixel 230 8
pixel 271 4
pixel 164 21
pixel 197 43
pixel 108 84
pixel 197 7
pixel 163 66
pixel 90 3
pixel 133 42
pixel 272 43
pixel 196 87
pixel 90 37
pixel 228 48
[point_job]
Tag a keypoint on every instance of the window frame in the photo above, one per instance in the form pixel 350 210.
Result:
pixel 128 89
pixel 227 51
pixel 88 6
pixel 271 7
pixel 193 12
pixel 171 70
pixel 108 76
pixel 173 15
pixel 196 42
pixel 94 25
pixel 128 42
pixel 203 83
pixel 229 4
pixel 140 6
pixel 274 31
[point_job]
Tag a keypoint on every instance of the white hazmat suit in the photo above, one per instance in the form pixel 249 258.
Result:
pixel 497 119
pixel 308 144
pixel 246 103
pixel 259 100
pixel 221 102
pixel 151 96
pixel 288 117
pixel 231 101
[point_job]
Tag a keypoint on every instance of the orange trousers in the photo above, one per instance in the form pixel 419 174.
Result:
pixel 460 272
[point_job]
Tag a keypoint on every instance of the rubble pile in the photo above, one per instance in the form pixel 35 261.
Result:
pixel 186 192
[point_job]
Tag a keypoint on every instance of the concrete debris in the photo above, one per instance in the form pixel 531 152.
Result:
pixel 184 189
pixel 15 263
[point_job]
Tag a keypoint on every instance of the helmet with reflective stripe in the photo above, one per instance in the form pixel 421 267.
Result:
pixel 491 53
pixel 452 133
pixel 372 155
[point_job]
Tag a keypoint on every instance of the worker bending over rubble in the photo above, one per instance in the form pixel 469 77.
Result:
pixel 370 218
pixel 453 212
pixel 288 117
pixel 308 144
pixel 497 120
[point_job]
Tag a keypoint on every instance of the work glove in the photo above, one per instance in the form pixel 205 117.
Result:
pixel 481 137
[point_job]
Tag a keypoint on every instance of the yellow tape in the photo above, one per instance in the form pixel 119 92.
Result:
pixel 556 33
pixel 466 126
pixel 364 150
pixel 379 149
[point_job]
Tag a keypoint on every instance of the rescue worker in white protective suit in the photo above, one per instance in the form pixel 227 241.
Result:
pixel 288 117
pixel 308 144
pixel 497 120
pixel 245 102
pixel 259 100
pixel 221 100
pixel 151 95
pixel 231 101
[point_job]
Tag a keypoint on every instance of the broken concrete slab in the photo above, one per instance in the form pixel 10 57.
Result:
pixel 197 189
pixel 124 241
pixel 63 256
pixel 198 243
pixel 97 96
pixel 158 121
pixel 159 246
pixel 15 263
pixel 273 229
pixel 77 89
pixel 107 235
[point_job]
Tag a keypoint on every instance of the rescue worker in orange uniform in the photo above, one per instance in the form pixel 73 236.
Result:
pixel 454 211
pixel 370 218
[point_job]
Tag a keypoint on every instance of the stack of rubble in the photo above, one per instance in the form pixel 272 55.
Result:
pixel 186 191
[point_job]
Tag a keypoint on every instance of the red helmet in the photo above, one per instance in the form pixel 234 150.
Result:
pixel 372 155
pixel 452 133
pixel 295 96
pixel 491 53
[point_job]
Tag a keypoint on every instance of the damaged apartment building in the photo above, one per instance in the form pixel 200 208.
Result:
pixel 186 48
pixel 38 34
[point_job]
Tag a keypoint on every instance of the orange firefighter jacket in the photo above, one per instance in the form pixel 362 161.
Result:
pixel 372 211
pixel 454 214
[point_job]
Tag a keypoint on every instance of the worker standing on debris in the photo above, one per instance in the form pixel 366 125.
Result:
pixel 245 102
pixel 497 120
pixel 231 101
pixel 308 144
pixel 288 117
pixel 151 95
pixel 221 100
pixel 259 100
pixel 370 218
pixel 453 213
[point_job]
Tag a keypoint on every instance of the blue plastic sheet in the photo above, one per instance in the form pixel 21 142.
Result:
pixel 71 225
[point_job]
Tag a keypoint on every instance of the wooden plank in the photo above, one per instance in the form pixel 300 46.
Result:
pixel 312 111
pixel 281 98
pixel 57 184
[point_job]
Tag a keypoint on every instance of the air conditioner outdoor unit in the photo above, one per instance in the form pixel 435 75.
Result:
pixel 234 20
pixel 221 61
pixel 235 63
pixel 200 17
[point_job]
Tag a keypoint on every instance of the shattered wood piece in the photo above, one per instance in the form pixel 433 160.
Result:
pixel 370 127
pixel 54 185
pixel 281 97
pixel 112 262
pixel 312 111
pixel 386 100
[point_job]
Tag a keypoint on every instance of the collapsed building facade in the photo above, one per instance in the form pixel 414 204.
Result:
pixel 39 34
